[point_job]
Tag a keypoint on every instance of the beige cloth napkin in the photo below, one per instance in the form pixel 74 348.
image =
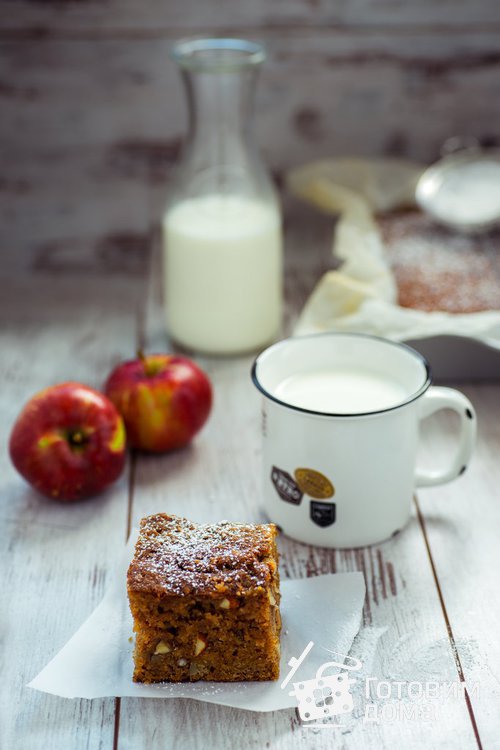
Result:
pixel 361 295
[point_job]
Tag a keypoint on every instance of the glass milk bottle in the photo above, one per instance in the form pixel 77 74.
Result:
pixel 222 228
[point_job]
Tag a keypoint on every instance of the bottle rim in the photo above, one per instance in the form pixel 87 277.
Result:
pixel 217 54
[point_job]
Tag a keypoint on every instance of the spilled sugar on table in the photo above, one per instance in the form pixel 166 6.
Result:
pixel 431 612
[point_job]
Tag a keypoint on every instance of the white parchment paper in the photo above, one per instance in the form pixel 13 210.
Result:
pixel 97 661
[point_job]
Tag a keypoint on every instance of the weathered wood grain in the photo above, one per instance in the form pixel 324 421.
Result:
pixel 55 557
pixel 358 92
pixel 90 129
pixel 122 16
pixel 462 523
pixel 92 118
pixel 70 213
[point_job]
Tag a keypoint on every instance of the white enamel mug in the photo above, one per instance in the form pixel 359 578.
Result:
pixel 347 479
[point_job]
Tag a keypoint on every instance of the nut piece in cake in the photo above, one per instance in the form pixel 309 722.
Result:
pixel 205 601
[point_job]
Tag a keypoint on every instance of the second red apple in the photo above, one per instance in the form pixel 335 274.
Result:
pixel 164 400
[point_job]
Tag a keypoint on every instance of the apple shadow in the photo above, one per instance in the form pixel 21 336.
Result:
pixel 155 468
pixel 32 508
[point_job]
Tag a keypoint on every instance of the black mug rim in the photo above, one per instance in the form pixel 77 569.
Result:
pixel 334 334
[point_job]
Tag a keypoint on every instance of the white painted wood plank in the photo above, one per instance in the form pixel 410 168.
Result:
pixel 462 520
pixel 126 15
pixel 218 477
pixel 71 213
pixel 56 558
pixel 89 129
pixel 364 93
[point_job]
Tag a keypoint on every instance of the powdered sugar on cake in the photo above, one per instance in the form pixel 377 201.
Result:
pixel 436 269
pixel 176 556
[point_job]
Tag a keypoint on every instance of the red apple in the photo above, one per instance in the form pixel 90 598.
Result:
pixel 164 400
pixel 69 442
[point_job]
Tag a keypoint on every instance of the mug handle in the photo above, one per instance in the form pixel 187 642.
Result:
pixel 435 399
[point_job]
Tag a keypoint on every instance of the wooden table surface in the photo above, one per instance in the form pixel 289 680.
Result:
pixel 432 609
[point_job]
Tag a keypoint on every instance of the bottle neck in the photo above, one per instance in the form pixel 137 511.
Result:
pixel 220 133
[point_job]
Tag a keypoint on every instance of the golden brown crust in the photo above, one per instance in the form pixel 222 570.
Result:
pixel 174 556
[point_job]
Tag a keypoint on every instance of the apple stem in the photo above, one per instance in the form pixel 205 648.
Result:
pixel 152 366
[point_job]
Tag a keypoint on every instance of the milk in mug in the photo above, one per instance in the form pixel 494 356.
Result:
pixel 223 272
pixel 341 391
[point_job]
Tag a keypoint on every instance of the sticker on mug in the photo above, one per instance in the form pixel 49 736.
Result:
pixel 314 484
pixel 285 486
pixel 322 514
